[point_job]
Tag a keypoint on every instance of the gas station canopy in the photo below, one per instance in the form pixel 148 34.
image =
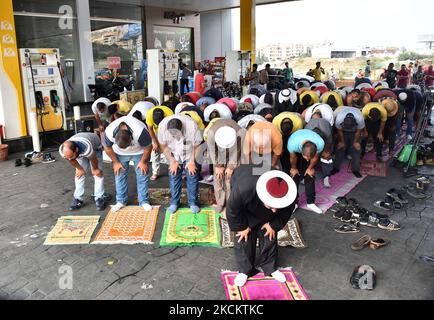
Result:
pixel 193 5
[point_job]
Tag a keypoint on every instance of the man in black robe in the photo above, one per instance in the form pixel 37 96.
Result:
pixel 258 207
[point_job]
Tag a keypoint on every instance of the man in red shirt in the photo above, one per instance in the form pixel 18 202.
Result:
pixel 429 76
pixel 403 77
pixel 199 82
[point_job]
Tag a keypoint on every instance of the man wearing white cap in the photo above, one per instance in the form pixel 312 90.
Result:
pixel 224 140
pixel 100 110
pixel 258 208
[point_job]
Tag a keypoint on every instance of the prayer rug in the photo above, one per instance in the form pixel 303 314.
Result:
pixel 290 235
pixel 72 230
pixel 342 183
pixel 184 228
pixel 130 225
pixel 260 287
pixel 161 196
pixel 371 168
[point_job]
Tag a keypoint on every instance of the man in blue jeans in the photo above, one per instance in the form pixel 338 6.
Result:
pixel 180 140
pixel 127 139
pixel 84 151
pixel 407 102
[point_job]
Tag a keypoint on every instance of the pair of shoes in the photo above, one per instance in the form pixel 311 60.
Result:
pixel 75 205
pixel 416 193
pixel 48 158
pixel 366 240
pixel 347 228
pixel 396 196
pixel 387 224
pixel 313 207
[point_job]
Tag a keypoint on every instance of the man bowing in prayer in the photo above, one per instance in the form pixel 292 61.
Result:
pixel 258 207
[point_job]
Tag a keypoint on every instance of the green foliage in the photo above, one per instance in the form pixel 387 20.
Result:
pixel 411 56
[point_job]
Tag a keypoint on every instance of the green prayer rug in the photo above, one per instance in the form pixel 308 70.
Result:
pixel 184 228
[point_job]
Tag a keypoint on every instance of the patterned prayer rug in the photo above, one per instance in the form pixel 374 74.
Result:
pixel 290 235
pixel 342 183
pixel 185 228
pixel 161 196
pixel 260 287
pixel 371 168
pixel 130 225
pixel 72 230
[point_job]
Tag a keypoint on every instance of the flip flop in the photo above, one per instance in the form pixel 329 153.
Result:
pixel 361 243
pixel 347 228
pixel 378 243
pixel 383 205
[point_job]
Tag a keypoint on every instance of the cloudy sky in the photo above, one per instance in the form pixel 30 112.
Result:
pixel 345 22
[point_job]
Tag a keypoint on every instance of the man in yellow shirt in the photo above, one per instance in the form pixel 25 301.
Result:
pixel 153 118
pixel 318 71
pixel 375 115
pixel 119 109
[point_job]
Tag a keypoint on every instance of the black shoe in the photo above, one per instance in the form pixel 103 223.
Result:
pixel 396 196
pixel 353 202
pixel 364 218
pixel 48 158
pixel 339 214
pixel 107 197
pixel 347 215
pixel 18 163
pixel 100 204
pixel 357 174
pixel 76 204
pixel 27 162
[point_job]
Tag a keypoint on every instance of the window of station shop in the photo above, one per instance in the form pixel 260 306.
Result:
pixel 117 33
pixel 52 24
pixel 175 38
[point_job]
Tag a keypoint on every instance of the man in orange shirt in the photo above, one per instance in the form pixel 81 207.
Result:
pixel 263 139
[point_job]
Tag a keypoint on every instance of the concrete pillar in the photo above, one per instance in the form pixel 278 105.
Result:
pixel 248 27
pixel 85 45
pixel 12 111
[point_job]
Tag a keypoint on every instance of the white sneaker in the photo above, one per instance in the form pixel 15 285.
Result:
pixel 313 207
pixel 118 206
pixel 240 279
pixel 279 276
pixel 327 182
pixel 147 207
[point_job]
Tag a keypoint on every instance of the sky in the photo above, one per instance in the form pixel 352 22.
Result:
pixel 344 22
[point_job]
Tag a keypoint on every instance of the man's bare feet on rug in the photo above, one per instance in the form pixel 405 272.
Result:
pixel 279 276
pixel 240 279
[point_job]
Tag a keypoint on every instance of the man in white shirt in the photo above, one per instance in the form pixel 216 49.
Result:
pixel 127 139
pixel 84 150
pixel 180 139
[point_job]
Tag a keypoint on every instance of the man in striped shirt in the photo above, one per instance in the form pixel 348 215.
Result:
pixel 84 150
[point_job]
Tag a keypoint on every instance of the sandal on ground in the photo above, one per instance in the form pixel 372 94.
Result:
pixel 378 243
pixel 427 259
pixel 347 228
pixel 383 205
pixel 361 243
pixel 416 193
